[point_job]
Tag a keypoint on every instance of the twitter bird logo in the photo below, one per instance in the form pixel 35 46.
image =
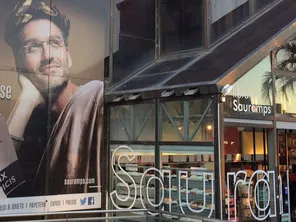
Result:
pixel 83 201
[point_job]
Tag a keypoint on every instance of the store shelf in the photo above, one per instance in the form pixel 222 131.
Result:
pixel 197 160
pixel 121 188
pixel 191 196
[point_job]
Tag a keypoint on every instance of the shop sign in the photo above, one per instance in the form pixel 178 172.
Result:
pixel 264 183
pixel 250 108
pixel 241 102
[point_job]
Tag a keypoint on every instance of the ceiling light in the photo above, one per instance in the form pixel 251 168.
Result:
pixel 118 98
pixel 167 93
pixel 209 127
pixel 190 92
pixel 134 96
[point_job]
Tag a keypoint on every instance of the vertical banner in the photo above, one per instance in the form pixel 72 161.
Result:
pixel 51 104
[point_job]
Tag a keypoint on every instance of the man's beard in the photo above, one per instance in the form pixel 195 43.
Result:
pixel 55 91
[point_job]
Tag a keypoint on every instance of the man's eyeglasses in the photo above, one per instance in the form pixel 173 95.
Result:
pixel 37 46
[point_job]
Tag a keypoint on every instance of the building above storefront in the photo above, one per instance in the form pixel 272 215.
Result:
pixel 207 72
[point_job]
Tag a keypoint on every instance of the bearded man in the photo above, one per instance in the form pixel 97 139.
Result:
pixel 56 126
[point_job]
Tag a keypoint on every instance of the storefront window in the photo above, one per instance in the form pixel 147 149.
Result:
pixel 187 121
pixel 227 15
pixel 246 154
pixel 133 36
pixel 133 122
pixel 170 176
pixel 132 168
pixel 251 95
pixel 181 25
pixel 189 173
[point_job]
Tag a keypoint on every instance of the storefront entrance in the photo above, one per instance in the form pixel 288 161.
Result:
pixel 246 157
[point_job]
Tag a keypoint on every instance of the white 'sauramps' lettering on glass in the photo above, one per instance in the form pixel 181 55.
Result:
pixel 168 185
pixel 133 189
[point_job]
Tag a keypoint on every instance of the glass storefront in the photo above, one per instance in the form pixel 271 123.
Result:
pixel 178 167
pixel 193 151
pixel 172 167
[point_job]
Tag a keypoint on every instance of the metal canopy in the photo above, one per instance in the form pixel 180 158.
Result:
pixel 222 65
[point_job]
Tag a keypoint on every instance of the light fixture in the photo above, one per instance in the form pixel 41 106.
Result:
pixel 222 99
pixel 118 98
pixel 134 96
pixel 240 128
pixel 190 92
pixel 209 127
pixel 226 89
pixel 180 127
pixel 167 93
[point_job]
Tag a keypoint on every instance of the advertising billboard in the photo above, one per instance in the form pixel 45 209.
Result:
pixel 51 104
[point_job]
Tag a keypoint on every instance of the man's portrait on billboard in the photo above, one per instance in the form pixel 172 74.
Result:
pixel 56 120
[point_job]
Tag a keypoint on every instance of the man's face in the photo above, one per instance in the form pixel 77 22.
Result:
pixel 43 56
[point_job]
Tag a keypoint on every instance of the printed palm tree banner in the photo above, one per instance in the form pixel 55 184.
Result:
pixel 283 60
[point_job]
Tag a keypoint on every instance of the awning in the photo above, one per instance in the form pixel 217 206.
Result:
pixel 224 64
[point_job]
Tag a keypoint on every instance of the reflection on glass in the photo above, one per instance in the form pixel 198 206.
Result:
pixel 187 121
pixel 242 154
pixel 181 25
pixel 132 167
pixel 259 5
pixel 250 97
pixel 133 123
pixel 285 68
pixel 185 189
pixel 133 36
pixel 227 15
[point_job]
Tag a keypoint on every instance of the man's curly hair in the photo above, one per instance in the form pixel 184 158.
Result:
pixel 28 10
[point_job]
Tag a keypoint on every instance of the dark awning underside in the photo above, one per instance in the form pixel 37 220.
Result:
pixel 222 65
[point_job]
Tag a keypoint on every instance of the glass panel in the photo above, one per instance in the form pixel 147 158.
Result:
pixel 133 36
pixel 181 25
pixel 187 121
pixel 259 5
pixel 145 122
pixel 285 82
pixel 131 182
pixel 132 123
pixel 287 168
pixel 141 82
pixel 189 173
pixel 172 118
pixel 167 66
pixel 120 123
pixel 242 155
pixel 252 98
pixel 201 120
pixel 227 15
